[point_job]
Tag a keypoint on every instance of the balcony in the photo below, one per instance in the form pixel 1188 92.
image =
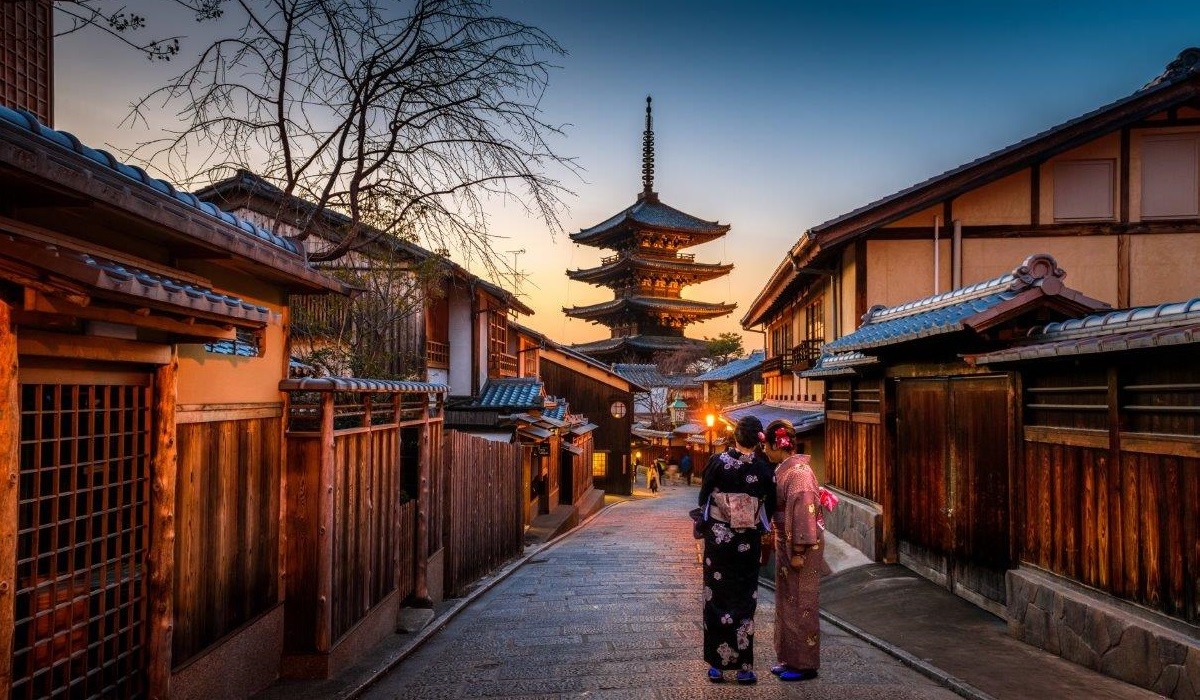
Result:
pixel 803 356
pixel 502 364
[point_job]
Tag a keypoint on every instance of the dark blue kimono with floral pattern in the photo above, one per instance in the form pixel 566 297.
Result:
pixel 731 559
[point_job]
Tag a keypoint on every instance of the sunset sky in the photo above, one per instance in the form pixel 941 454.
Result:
pixel 772 117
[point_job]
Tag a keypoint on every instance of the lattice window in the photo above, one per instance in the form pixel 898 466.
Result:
pixel 248 343
pixel 600 464
pixel 82 534
pixel 25 57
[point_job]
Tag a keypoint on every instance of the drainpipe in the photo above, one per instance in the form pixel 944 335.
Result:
pixel 937 253
pixel 956 255
pixel 474 366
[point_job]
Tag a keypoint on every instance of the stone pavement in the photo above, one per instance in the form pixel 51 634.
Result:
pixel 612 611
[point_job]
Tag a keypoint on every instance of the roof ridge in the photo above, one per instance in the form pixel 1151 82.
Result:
pixel 1120 320
pixel 1032 272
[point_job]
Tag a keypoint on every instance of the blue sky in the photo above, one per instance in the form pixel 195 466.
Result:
pixel 771 117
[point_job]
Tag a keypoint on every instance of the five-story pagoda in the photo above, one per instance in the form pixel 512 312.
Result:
pixel 647 273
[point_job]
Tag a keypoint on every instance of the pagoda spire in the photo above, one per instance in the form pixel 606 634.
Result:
pixel 648 154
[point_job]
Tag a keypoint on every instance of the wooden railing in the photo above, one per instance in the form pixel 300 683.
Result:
pixel 804 355
pixel 647 253
pixel 437 353
pixel 502 364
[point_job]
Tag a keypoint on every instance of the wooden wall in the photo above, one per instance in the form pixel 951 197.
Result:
pixel 1110 485
pixel 227 529
pixel 484 506
pixel 593 398
pixel 855 457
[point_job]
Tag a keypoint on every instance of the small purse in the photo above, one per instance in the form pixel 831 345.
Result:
pixel 697 516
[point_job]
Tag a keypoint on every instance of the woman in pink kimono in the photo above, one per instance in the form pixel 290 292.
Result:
pixel 799 557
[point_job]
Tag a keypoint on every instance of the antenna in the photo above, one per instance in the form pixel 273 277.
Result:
pixel 517 275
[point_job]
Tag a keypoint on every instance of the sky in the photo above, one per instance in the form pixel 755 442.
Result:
pixel 771 117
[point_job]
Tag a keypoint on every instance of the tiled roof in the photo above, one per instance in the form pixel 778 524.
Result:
pixel 574 354
pixel 735 368
pixel 516 392
pixel 638 343
pixel 684 306
pixel 957 309
pixel 626 263
pixel 802 421
pixel 28 122
pixel 377 386
pixel 649 376
pixel 839 365
pixel 557 412
pixel 650 212
pixel 1138 328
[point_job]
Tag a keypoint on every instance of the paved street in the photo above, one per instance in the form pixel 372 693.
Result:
pixel 613 611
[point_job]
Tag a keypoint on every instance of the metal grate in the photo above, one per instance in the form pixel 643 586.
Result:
pixel 82 535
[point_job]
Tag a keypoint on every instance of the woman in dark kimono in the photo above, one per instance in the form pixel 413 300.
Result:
pixel 737 500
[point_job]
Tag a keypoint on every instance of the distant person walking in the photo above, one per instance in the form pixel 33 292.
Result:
pixel 737 498
pixel 685 467
pixel 799 557
pixel 652 478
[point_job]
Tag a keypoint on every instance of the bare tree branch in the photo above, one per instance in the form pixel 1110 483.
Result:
pixel 118 22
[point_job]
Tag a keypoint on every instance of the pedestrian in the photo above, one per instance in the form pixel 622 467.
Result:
pixel 685 467
pixel 652 479
pixel 737 500
pixel 799 557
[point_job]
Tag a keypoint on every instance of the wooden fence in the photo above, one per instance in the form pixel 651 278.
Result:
pixel 1110 484
pixel 855 460
pixel 484 526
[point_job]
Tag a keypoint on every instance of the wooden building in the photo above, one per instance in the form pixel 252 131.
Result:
pixel 144 341
pixel 738 381
pixel 1112 194
pixel 647 273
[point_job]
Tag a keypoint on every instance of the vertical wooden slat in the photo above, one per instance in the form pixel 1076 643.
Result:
pixel 326 479
pixel 161 553
pixel 10 426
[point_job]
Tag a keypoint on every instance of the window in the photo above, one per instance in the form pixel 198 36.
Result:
pixel 599 464
pixel 1169 176
pixel 758 391
pixel 1083 189
pixel 781 339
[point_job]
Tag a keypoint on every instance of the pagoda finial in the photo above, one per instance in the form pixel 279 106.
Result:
pixel 648 153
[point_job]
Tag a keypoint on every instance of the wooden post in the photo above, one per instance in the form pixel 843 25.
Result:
pixel 326 481
pixel 421 582
pixel 161 555
pixel 10 417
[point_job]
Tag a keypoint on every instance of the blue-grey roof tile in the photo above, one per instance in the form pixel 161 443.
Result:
pixel 735 368
pixel 518 392
pixel 945 319
pixel 62 139
pixel 801 420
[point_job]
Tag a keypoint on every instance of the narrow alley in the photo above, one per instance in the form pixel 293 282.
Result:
pixel 612 611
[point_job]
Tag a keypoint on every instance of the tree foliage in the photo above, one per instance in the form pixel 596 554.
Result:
pixel 408 117
pixel 724 348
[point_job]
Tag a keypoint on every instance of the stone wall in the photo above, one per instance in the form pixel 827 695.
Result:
pixel 1096 630
pixel 858 523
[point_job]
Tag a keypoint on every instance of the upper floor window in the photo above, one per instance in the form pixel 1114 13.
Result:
pixel 1084 189
pixel 814 320
pixel 781 339
pixel 1169 176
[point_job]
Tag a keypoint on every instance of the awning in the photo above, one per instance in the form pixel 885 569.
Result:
pixel 584 429
pixel 532 431
pixel 572 449
pixel 553 422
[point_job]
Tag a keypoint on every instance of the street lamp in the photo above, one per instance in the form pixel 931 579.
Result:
pixel 678 411
pixel 710 420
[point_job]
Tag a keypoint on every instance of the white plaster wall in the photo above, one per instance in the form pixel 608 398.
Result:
pixel 460 345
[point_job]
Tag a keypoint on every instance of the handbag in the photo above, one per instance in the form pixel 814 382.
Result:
pixel 697 516
pixel 768 546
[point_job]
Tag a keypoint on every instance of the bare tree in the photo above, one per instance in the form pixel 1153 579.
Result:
pixel 116 20
pixel 405 116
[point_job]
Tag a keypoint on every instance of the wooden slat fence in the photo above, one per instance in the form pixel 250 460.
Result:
pixel 484 497
pixel 1110 488
pixel 854 439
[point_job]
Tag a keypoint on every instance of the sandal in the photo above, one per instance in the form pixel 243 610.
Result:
pixel 746 678
pixel 715 675
pixel 804 675
pixel 778 669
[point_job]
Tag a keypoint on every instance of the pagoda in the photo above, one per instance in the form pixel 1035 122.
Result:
pixel 647 273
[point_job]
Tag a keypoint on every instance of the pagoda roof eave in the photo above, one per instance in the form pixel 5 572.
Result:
pixel 699 272
pixel 687 307
pixel 650 214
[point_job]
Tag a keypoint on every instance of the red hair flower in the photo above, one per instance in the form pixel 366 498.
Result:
pixel 782 439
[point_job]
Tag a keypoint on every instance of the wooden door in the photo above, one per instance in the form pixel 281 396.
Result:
pixel 83 532
pixel 566 477
pixel 953 440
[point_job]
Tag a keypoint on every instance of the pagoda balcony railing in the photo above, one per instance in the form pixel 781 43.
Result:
pixel 651 253
pixel 803 356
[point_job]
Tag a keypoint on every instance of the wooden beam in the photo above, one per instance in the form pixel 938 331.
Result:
pixel 860 280
pixel 1124 177
pixel 1035 195
pixel 160 556
pixel 143 318
pixel 1051 230
pixel 91 347
pixel 421 557
pixel 10 426
pixel 326 481
pixel 1124 271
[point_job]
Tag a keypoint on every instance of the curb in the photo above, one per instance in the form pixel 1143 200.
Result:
pixel 953 683
pixel 439 623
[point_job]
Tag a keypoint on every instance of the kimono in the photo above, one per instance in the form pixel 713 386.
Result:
pixel 736 496
pixel 799 566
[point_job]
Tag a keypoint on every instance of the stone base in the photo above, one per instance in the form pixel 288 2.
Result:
pixel 435 576
pixel 1098 631
pixel 858 523
pixel 238 666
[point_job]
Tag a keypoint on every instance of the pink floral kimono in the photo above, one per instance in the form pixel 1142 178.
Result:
pixel 800 562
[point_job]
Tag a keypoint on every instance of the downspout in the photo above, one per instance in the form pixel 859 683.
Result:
pixel 474 339
pixel 956 255
pixel 937 253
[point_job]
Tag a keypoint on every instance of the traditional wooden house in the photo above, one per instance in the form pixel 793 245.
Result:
pixel 738 381
pixel 600 396
pixel 1105 500
pixel 648 314
pixel 1113 195
pixel 145 344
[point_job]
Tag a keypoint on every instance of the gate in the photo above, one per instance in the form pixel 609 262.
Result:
pixel 953 439
pixel 80 603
